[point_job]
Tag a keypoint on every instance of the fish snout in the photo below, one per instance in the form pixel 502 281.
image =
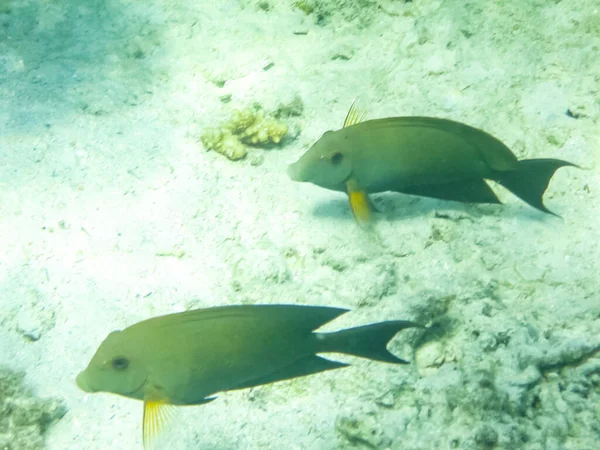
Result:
pixel 294 172
pixel 82 383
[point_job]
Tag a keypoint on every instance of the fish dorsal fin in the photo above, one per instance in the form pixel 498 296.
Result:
pixel 355 115
pixel 189 323
pixel 156 416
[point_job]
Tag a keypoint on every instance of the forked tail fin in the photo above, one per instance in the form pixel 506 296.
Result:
pixel 368 341
pixel 530 180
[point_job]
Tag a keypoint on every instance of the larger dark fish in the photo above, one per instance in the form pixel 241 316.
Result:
pixel 422 156
pixel 185 358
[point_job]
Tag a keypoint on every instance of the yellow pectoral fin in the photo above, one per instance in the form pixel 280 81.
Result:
pixel 156 416
pixel 359 202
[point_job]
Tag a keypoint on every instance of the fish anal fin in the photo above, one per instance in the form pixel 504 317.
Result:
pixel 201 401
pixel 156 416
pixel 355 115
pixel 467 191
pixel 305 366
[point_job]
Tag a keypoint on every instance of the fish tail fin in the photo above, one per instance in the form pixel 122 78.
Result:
pixel 530 180
pixel 368 341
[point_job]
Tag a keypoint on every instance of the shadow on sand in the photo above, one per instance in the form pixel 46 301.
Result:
pixel 398 207
pixel 71 56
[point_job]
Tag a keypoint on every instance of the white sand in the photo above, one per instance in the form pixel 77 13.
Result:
pixel 102 174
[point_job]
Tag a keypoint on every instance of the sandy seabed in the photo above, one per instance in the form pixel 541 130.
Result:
pixel 111 211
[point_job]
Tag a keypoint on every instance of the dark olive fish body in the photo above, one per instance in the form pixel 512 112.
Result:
pixel 199 353
pixel 422 156
pixel 395 154
pixel 184 358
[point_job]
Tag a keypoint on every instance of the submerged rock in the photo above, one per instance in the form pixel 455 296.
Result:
pixel 24 418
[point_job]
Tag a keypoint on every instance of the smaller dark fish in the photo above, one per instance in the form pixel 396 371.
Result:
pixel 185 358
pixel 422 156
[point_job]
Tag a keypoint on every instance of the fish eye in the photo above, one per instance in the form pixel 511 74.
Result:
pixel 337 158
pixel 120 363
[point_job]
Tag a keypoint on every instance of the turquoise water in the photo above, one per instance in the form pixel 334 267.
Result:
pixel 113 211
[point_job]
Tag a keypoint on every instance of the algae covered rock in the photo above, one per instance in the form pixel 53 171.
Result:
pixel 362 430
pixel 5 6
pixel 361 12
pixel 245 127
pixel 24 419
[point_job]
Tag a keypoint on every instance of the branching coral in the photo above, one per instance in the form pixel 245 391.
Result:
pixel 245 127
pixel 222 141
